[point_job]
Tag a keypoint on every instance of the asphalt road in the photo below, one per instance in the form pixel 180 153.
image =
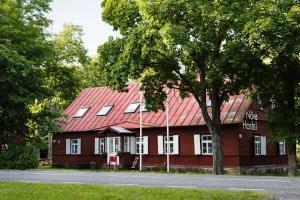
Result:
pixel 281 187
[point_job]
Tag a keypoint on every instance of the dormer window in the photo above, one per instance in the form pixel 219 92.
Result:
pixel 105 110
pixel 208 103
pixel 144 109
pixel 81 112
pixel 132 108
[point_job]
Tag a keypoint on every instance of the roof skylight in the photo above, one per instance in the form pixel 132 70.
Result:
pixel 208 103
pixel 144 109
pixel 81 112
pixel 132 108
pixel 105 110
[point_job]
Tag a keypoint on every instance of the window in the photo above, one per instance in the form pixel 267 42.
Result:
pixel 73 146
pixel 105 110
pixel 272 104
pixel 101 145
pixel 126 144
pixel 171 144
pixel 281 146
pixel 144 108
pixel 259 104
pixel 206 145
pixel 260 145
pixel 144 145
pixel 132 108
pixel 162 144
pixel 81 112
pixel 208 103
pixel 257 145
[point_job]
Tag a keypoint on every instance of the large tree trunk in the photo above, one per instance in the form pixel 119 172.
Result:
pixel 292 159
pixel 218 165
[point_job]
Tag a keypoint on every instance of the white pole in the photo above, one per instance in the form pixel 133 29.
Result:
pixel 141 129
pixel 168 143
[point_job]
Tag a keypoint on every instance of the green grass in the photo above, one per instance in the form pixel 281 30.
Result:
pixel 32 191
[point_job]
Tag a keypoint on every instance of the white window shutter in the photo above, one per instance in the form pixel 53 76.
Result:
pixel 132 145
pixel 176 144
pixel 106 145
pixel 263 141
pixel 79 146
pixel 197 144
pixel 145 138
pixel 283 147
pixel 119 147
pixel 68 147
pixel 97 146
pixel 160 144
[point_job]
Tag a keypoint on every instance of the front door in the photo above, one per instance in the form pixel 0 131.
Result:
pixel 113 146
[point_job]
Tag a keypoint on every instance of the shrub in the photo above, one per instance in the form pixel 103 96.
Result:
pixel 18 156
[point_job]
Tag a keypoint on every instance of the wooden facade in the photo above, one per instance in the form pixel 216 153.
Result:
pixel 246 141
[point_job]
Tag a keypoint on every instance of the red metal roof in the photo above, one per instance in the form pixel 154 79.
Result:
pixel 183 112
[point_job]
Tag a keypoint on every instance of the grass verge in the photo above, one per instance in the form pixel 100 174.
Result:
pixel 18 191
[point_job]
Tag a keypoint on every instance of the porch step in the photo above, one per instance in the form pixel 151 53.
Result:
pixel 136 159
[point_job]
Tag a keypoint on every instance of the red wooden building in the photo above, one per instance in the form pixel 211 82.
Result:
pixel 103 125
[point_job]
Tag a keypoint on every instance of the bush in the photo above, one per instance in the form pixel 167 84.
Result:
pixel 18 156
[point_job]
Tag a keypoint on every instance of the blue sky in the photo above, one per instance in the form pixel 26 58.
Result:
pixel 86 13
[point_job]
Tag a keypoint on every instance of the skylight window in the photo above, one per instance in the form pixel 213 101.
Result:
pixel 105 110
pixel 132 108
pixel 208 103
pixel 144 109
pixel 81 112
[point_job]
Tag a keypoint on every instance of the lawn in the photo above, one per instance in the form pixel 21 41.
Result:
pixel 32 191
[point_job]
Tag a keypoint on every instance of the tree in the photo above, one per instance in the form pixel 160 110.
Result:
pixel 65 73
pixel 194 46
pixel 24 50
pixel 273 32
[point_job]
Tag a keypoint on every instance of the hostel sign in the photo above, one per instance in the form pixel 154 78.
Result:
pixel 250 122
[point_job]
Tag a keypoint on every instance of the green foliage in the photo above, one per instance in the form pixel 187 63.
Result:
pixel 16 191
pixel 23 53
pixel 18 156
pixel 167 36
pixel 273 32
pixel 190 45
pixel 68 61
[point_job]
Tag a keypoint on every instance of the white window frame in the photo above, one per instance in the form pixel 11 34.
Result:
pixel 135 106
pixel 126 146
pixel 101 145
pixel 81 112
pixel 205 143
pixel 75 146
pixel 144 145
pixel 281 146
pixel 260 145
pixel 257 145
pixel 106 108
pixel 171 144
pixel 272 104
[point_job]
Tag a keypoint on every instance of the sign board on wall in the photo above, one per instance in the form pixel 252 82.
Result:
pixel 250 122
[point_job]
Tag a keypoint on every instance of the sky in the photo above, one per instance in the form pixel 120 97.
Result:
pixel 86 13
